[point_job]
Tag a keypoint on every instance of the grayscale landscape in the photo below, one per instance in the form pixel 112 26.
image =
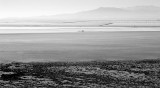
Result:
pixel 80 44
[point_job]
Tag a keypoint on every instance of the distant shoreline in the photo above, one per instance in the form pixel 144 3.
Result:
pixel 82 26
pixel 10 30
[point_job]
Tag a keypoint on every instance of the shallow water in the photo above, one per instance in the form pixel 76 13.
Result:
pixel 79 46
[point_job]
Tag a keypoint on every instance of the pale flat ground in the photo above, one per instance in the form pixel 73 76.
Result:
pixel 79 46
pixel 83 23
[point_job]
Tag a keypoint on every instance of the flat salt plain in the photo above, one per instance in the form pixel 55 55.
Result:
pixel 56 45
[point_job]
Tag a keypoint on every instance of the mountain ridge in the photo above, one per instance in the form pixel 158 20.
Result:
pixel 104 13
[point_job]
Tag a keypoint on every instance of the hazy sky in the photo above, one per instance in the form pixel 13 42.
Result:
pixel 25 8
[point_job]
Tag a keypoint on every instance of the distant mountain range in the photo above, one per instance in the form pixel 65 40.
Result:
pixel 103 13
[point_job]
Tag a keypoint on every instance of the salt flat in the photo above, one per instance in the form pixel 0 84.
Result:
pixel 79 46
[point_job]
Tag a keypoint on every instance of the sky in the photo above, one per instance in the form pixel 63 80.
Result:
pixel 28 8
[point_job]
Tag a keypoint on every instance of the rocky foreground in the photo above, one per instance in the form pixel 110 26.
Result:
pixel 94 74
